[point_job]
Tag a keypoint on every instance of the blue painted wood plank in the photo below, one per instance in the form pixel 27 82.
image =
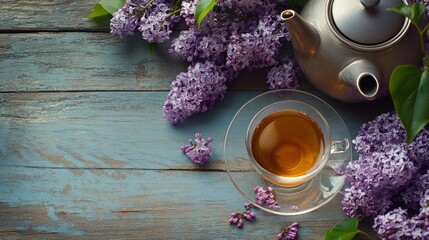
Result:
pixel 85 151
pixel 83 62
pixel 135 203
pixel 79 61
pixel 52 15
pixel 121 129
pixel 104 130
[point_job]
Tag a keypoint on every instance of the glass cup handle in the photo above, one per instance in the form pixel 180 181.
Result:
pixel 340 146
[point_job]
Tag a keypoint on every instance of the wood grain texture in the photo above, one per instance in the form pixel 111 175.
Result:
pixel 141 204
pixel 95 61
pixel 119 129
pixel 46 15
pixel 85 152
pixel 91 164
pixel 83 62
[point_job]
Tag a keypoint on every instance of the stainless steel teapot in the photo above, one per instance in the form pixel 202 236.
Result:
pixel 348 48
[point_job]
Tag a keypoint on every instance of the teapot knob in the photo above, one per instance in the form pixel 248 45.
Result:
pixel 370 3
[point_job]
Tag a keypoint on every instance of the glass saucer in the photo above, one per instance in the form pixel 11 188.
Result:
pixel 292 200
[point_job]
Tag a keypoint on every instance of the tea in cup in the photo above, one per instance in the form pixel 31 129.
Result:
pixel 289 143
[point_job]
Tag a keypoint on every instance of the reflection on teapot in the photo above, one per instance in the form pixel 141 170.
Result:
pixel 348 48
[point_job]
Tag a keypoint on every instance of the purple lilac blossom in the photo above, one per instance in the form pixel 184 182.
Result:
pixel 387 170
pixel 241 7
pixel 248 215
pixel 383 132
pixel 248 205
pixel 426 3
pixel 199 151
pixel 205 43
pixel 213 46
pixel 356 202
pixel 283 76
pixel 258 48
pixel 266 197
pixel 289 233
pixel 238 35
pixel 236 218
pixel 386 166
pixel 188 10
pixel 387 131
pixel 391 224
pixel 124 21
pixel 194 91
pixel 396 224
pixel 252 43
pixel 248 40
pixel 185 44
pixel 411 195
pixel 156 23
pixel 390 180
pixel 152 18
pixel 127 18
pixel 249 10
pixel 418 150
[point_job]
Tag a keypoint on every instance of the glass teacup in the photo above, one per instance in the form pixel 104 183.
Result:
pixel 289 143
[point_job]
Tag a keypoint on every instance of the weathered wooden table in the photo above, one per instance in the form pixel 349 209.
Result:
pixel 86 153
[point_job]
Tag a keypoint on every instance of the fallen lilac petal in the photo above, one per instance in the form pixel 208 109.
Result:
pixel 249 215
pixel 240 223
pixel 248 205
pixel 199 151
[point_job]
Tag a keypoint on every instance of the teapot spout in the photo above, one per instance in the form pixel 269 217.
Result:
pixel 305 37
pixel 364 76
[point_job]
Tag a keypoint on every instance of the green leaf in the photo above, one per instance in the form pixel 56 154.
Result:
pixel 413 12
pixel 98 11
pixel 409 88
pixel 111 6
pixel 334 234
pixel 105 7
pixel 350 224
pixel 344 230
pixel 203 8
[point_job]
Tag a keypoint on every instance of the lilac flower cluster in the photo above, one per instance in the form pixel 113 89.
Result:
pixel 194 91
pixel 412 193
pixel 238 35
pixel 200 151
pixel 237 218
pixel 284 76
pixel 289 233
pixel 241 7
pixel 374 179
pixel 248 205
pixel 188 10
pixel 266 197
pixel 257 48
pixel 389 174
pixel 153 18
pixel 396 224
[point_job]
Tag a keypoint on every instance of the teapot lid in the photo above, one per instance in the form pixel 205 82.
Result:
pixel 367 22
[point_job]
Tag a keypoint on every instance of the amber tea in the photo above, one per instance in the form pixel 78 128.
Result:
pixel 287 143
